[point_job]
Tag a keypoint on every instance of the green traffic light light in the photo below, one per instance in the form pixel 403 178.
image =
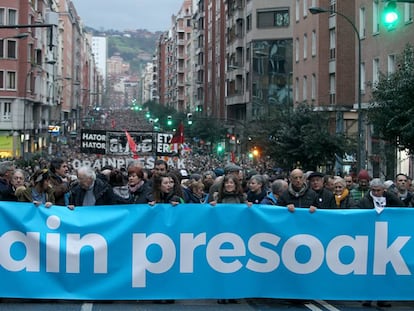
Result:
pixel 390 16
pixel 219 148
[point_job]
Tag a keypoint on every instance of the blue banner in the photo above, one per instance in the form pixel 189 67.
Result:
pixel 193 251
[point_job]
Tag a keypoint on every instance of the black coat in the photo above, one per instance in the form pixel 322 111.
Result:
pixel 308 198
pixel 368 202
pixel 326 199
pixel 104 195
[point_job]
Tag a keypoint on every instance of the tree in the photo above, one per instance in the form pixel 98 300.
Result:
pixel 392 106
pixel 299 136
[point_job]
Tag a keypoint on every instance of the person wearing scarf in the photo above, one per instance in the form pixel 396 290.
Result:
pixel 137 186
pixel 298 193
pixel 378 198
pixel 343 199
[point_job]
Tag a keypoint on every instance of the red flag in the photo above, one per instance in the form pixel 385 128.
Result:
pixel 132 144
pixel 233 157
pixel 178 137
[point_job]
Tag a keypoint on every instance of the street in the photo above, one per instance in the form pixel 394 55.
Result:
pixel 199 305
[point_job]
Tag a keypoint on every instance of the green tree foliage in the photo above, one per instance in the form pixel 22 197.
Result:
pixel 209 130
pixel 392 107
pixel 298 136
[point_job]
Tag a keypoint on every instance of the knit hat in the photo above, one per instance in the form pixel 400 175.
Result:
pixel 363 174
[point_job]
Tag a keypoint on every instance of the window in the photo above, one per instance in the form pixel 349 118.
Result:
pixel 305 8
pixel 6 111
pixel 11 49
pixel 375 70
pixel 362 21
pixel 11 80
pixel 313 43
pixel 1 79
pixel 248 23
pixel 12 17
pixel 268 19
pixel 391 64
pixel 2 17
pixel 332 43
pixel 1 48
pixel 313 90
pixel 332 89
pixel 375 17
pixel 297 50
pixel 297 89
pixel 305 88
pixel 408 12
pixel 297 9
pixel 305 46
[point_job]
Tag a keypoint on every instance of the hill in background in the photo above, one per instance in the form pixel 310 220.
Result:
pixel 135 46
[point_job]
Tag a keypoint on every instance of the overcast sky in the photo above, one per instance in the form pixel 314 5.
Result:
pixel 152 15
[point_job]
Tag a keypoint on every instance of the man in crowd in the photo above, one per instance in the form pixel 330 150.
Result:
pixel 298 193
pixel 6 189
pixel 326 197
pixel 349 182
pixel 402 186
pixel 90 190
pixel 362 189
pixel 59 180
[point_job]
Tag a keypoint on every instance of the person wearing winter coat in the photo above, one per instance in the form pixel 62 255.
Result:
pixel 299 194
pixel 343 199
pixel 257 189
pixel 378 198
pixel 90 190
pixel 39 191
pixel 278 187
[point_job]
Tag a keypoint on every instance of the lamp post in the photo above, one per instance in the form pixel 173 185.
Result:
pixel 361 157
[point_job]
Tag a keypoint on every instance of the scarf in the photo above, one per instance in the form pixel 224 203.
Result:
pixel 299 193
pixel 340 198
pixel 134 188
pixel 379 202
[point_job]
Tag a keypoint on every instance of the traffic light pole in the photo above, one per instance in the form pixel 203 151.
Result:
pixel 50 26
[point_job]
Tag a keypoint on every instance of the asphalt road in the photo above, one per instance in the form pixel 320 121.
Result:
pixel 196 305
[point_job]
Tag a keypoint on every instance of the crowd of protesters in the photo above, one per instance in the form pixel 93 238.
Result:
pixel 204 180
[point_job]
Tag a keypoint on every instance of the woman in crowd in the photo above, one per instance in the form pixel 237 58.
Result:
pixel 39 191
pixel 195 192
pixel 229 191
pixel 257 190
pixel 343 199
pixel 119 186
pixel 137 185
pixel 163 190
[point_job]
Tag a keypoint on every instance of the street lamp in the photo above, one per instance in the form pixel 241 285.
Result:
pixel 361 157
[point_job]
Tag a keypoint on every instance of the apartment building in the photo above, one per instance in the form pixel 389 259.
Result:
pixel 47 74
pixel 338 57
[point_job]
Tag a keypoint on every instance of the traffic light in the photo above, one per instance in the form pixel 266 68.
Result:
pixel 219 148
pixel 169 120
pixel 390 14
pixel 189 118
pixel 147 114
